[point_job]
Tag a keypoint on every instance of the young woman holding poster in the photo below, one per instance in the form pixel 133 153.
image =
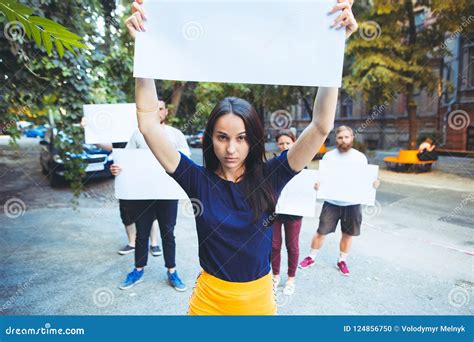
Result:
pixel 236 190
pixel 292 226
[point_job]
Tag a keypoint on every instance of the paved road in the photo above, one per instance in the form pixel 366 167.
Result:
pixel 412 258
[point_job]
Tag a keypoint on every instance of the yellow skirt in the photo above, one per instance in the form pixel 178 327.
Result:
pixel 213 296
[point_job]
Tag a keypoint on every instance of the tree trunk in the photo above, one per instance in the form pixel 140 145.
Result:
pixel 412 120
pixel 410 103
pixel 178 89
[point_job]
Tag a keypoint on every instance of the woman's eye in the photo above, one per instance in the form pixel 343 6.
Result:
pixel 241 138
pixel 221 137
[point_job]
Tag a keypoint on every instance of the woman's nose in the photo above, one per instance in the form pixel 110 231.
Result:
pixel 230 148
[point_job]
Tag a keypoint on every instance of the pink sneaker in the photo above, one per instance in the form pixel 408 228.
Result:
pixel 307 262
pixel 343 268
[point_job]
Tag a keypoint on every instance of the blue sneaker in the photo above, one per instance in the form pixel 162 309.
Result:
pixel 133 278
pixel 175 282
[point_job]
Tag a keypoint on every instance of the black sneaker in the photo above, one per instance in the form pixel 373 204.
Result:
pixel 127 249
pixel 155 251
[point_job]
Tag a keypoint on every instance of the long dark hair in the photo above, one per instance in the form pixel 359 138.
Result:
pixel 256 189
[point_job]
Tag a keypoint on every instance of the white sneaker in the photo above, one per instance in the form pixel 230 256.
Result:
pixel 276 283
pixel 289 288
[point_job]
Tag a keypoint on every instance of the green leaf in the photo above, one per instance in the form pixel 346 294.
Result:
pixel 8 12
pixel 26 26
pixel 52 26
pixel 66 38
pixel 36 35
pixel 48 44
pixel 77 44
pixel 21 9
pixel 67 46
pixel 59 47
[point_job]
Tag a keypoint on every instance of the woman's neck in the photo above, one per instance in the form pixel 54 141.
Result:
pixel 231 174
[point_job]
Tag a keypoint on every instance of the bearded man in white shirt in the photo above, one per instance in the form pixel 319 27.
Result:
pixel 349 214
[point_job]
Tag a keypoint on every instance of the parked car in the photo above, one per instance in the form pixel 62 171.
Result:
pixel 196 139
pixel 98 160
pixel 22 125
pixel 35 132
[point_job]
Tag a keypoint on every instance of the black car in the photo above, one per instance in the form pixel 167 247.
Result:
pixel 196 139
pixel 98 160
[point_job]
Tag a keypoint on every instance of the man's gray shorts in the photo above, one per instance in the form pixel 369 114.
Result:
pixel 350 217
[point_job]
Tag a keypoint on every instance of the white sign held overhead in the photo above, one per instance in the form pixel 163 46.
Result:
pixel 241 41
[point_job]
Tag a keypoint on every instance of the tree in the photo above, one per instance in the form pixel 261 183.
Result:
pixel 43 31
pixel 41 87
pixel 393 51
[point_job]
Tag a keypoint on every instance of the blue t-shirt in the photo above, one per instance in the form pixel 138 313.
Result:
pixel 231 246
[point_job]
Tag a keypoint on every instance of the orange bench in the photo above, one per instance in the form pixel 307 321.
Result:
pixel 406 161
pixel 321 152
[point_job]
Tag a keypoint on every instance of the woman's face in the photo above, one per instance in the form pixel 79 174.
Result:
pixel 284 143
pixel 230 141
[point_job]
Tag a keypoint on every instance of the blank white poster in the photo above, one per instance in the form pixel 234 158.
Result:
pixel 347 182
pixel 142 177
pixel 109 123
pixel 298 197
pixel 285 42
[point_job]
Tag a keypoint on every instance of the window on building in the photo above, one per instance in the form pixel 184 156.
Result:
pixel 470 139
pixel 420 18
pixel 470 78
pixel 346 106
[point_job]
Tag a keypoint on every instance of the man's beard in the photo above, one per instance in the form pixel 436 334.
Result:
pixel 344 147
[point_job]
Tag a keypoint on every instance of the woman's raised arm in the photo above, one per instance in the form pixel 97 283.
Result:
pixel 309 142
pixel 148 116
pixel 324 110
pixel 149 124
